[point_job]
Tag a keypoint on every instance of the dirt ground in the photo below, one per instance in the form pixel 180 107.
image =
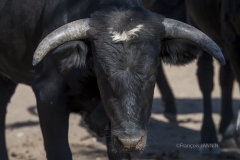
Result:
pixel 24 139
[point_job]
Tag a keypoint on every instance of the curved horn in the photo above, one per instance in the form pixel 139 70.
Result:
pixel 177 29
pixel 71 31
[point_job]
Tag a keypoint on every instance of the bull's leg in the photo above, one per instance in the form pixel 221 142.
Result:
pixel 167 95
pixel 226 82
pixel 205 80
pixel 7 88
pixel 53 115
pixel 232 49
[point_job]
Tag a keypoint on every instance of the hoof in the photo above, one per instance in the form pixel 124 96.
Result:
pixel 209 151
pixel 170 117
pixel 228 142
pixel 231 137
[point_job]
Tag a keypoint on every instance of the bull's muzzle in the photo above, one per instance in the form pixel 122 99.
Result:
pixel 130 142
pixel 134 143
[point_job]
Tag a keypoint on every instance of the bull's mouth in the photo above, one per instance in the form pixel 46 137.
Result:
pixel 128 150
pixel 120 147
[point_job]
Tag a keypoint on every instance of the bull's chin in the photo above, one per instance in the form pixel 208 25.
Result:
pixel 129 150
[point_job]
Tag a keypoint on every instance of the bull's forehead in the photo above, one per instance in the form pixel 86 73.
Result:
pixel 126 25
pixel 125 35
pixel 139 58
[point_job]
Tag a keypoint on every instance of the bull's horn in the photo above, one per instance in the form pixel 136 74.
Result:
pixel 177 29
pixel 71 31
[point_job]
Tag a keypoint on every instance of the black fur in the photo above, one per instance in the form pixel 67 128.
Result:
pixel 70 55
pixel 80 75
pixel 179 51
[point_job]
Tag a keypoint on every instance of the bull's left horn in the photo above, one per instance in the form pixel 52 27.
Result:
pixel 177 29
pixel 71 31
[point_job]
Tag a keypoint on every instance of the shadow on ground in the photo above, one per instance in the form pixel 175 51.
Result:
pixel 163 136
pixel 187 106
pixel 184 106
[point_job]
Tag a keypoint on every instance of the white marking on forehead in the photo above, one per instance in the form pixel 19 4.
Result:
pixel 125 35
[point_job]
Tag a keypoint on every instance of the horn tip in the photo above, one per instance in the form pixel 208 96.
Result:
pixel 35 62
pixel 222 61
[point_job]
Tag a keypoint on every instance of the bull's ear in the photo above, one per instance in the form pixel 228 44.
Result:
pixel 70 55
pixel 179 51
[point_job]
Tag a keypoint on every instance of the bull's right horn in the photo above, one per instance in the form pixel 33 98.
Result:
pixel 71 31
pixel 177 29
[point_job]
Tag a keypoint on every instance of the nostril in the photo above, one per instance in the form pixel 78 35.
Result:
pixel 133 142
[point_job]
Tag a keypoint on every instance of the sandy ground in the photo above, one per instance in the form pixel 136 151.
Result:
pixel 24 139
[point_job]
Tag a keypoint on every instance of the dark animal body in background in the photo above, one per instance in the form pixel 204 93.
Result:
pixel 219 19
pixel 111 61
pixel 175 9
pixel 211 26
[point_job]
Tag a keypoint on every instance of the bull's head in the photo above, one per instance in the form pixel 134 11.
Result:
pixel 126 46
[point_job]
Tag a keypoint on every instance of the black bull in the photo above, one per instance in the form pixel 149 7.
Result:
pixel 219 19
pixel 110 59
